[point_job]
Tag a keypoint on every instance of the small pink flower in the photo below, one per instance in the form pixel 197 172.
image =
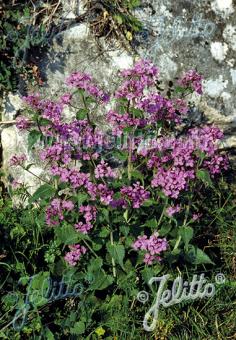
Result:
pixel 196 216
pixel 153 246
pixel 76 251
pixel 66 98
pixel 22 123
pixel 18 160
pixel 173 210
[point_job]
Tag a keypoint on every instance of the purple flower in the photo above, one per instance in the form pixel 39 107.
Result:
pixel 57 153
pixel 153 246
pixel 173 210
pixel 136 79
pixel 103 170
pixel 84 81
pixel 196 216
pixel 101 191
pixel 76 251
pixel 136 194
pixel 193 80
pixel 56 209
pixel 18 160
pixel 66 98
pixel 22 123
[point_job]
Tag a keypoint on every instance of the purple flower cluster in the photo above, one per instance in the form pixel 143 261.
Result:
pixel 153 246
pixel 173 210
pixel 136 79
pixel 175 160
pixel 66 98
pixel 89 213
pixel 104 170
pixel 33 100
pixel 121 121
pixel 84 81
pixel 73 176
pixel 160 108
pixel 76 251
pixel 172 181
pixel 18 160
pixel 49 110
pixel 55 212
pixel 22 123
pixel 57 153
pixel 136 194
pixel 192 80
pixel 101 191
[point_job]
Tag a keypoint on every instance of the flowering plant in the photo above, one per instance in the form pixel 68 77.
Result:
pixel 127 196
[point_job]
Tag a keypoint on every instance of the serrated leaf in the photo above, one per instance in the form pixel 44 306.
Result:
pixel 79 328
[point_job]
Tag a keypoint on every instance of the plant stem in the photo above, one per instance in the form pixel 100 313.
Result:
pixel 86 243
pixel 177 242
pixel 29 171
pixel 112 259
pixel 130 159
pixel 87 110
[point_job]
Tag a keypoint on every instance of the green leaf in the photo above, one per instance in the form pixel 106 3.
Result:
pixel 149 203
pixel 33 137
pixel 122 155
pixel 79 328
pixel 104 232
pixel 81 198
pixel 186 234
pixel 45 122
pixel 66 234
pixel 179 89
pixel 204 176
pixel 82 114
pixel 137 175
pixel 97 276
pixel 45 191
pixel 151 223
pixel 117 251
pixel 126 215
pixel 125 230
pixel 134 3
pixel 103 215
pixel 38 289
pixel 49 335
pixel 201 257
pixel 165 229
pixel 29 166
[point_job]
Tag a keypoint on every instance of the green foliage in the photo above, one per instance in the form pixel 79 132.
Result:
pixel 108 306
pixel 20 34
pixel 115 19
